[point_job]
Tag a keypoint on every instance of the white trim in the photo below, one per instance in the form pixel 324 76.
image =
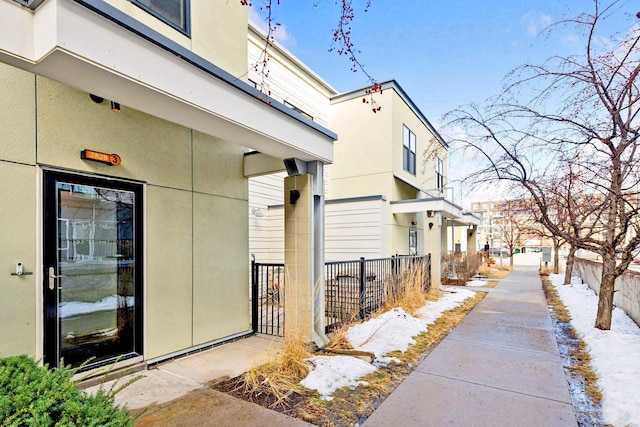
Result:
pixel 440 205
pixel 38 274
pixel 70 43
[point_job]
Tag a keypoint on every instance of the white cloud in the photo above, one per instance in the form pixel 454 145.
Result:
pixel 535 22
pixel 280 32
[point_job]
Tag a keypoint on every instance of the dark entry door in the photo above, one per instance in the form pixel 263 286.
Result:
pixel 93 270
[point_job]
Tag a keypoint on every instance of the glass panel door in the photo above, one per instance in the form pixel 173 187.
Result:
pixel 92 270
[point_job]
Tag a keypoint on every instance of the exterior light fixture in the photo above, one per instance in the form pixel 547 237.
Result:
pixel 95 98
pixel 115 107
pixel 430 225
pixel 294 195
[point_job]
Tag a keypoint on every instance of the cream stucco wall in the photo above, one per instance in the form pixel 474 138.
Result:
pixel 196 207
pixel 369 152
pixel 218 31
pixel 363 161
pixel 18 317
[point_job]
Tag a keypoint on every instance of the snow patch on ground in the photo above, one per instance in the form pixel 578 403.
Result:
pixel 391 331
pixel 329 373
pixel 476 283
pixel 614 353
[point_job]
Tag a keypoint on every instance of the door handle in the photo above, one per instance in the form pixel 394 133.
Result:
pixel 53 277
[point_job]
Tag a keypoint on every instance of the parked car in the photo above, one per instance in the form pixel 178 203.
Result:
pixel 498 252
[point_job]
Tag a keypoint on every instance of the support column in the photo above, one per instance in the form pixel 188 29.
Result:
pixel 471 240
pixel 432 244
pixel 304 255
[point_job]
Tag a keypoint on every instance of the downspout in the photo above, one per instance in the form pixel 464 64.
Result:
pixel 316 170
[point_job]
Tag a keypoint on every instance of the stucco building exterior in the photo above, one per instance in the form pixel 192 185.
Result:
pixel 125 126
pixel 386 190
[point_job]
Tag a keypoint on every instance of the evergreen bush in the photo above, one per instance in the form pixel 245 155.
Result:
pixel 32 395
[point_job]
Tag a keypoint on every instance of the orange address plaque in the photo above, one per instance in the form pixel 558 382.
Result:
pixel 96 156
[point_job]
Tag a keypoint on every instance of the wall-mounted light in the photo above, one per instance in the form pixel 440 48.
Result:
pixel 430 225
pixel 294 195
pixel 115 107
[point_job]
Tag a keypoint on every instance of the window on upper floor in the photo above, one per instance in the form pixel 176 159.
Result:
pixel 408 150
pixel 173 12
pixel 439 174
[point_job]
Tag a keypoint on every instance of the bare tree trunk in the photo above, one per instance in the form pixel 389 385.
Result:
pixel 607 287
pixel 569 268
pixel 556 256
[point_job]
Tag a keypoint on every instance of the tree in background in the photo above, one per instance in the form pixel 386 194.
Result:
pixel 516 225
pixel 582 109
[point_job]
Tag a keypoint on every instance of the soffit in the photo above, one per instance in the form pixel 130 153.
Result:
pixel 92 46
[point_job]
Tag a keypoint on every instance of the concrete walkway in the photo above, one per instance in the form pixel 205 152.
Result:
pixel 499 367
pixel 177 394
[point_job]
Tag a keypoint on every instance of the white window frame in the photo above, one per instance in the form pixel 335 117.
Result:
pixel 408 150
pixel 439 169
pixel 182 24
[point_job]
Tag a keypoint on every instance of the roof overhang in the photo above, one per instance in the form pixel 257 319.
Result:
pixel 91 46
pixel 437 205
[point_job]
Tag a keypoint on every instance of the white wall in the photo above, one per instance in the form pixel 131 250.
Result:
pixel 627 295
pixel 353 229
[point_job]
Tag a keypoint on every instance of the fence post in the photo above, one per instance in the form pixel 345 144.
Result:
pixel 363 288
pixel 254 294
pixel 428 271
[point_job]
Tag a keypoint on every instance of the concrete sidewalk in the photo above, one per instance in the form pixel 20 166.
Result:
pixel 177 394
pixel 499 367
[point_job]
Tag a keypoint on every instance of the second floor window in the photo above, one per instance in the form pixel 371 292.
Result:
pixel 408 150
pixel 173 12
pixel 439 174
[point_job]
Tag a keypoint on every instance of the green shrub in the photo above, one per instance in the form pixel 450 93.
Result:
pixel 32 395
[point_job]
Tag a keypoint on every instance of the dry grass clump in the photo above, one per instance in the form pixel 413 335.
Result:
pixel 458 268
pixel 338 338
pixel 409 291
pixel 580 357
pixel 494 272
pixel 280 375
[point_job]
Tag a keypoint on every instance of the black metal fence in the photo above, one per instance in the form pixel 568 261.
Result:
pixel 353 289
pixel 267 298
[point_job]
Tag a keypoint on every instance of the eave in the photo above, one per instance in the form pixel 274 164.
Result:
pixel 93 47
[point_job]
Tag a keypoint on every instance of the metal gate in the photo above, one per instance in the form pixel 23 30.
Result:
pixel 267 298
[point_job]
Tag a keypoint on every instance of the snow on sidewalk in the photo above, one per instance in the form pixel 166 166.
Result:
pixel 614 354
pixel 391 331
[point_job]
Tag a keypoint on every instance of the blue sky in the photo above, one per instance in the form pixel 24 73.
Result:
pixel 443 53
